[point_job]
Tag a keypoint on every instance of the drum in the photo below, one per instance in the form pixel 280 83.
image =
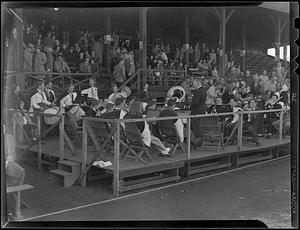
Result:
pixel 77 111
pixel 50 120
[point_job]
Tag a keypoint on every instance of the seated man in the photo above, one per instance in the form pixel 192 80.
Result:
pixel 232 121
pixel 67 101
pixel 286 123
pixel 169 112
pixel 92 92
pixel 250 122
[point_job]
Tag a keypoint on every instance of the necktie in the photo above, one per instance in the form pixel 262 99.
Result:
pixel 72 97
pixel 92 92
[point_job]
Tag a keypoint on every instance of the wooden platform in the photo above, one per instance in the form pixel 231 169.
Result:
pixel 50 147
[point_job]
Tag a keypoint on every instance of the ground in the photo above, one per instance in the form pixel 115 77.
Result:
pixel 260 192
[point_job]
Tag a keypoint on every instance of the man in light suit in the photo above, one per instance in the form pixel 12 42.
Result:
pixel 38 101
pixel 92 92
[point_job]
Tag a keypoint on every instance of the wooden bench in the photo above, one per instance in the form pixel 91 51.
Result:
pixel 19 202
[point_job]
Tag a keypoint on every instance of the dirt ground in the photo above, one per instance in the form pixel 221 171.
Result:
pixel 261 192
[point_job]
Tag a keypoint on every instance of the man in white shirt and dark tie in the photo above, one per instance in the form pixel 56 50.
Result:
pixel 92 92
pixel 67 101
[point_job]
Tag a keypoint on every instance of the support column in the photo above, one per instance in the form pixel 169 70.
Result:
pixel 278 40
pixel 186 39
pixel 20 77
pixel 244 48
pixel 108 44
pixel 144 36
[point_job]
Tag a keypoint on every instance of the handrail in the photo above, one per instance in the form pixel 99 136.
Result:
pixel 128 80
pixel 183 116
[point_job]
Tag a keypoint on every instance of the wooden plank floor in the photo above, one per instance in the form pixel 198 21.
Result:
pixel 51 147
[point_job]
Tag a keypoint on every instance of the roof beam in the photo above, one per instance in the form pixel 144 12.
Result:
pixel 229 15
pixel 217 12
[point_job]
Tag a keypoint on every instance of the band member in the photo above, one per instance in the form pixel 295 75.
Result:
pixel 115 93
pixel 49 92
pixel 232 121
pixel 145 93
pixel 249 122
pixel 92 92
pixel 68 100
pixel 38 101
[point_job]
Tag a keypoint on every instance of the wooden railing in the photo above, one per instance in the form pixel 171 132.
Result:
pixel 166 78
pixel 116 134
pixel 62 80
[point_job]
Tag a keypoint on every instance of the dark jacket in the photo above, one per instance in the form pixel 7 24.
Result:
pixel 198 105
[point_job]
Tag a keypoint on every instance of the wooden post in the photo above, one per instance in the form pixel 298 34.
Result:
pixel 20 77
pixel 116 164
pixel 223 41
pixel 61 138
pixel 188 139
pixel 240 133
pixel 139 79
pixel 280 126
pixel 244 49
pixel 14 125
pixel 278 39
pixel 40 143
pixel 143 33
pixel 108 45
pixel 187 38
pixel 84 153
pixel 285 55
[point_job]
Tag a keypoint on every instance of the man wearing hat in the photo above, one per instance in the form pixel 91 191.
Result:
pixel 71 56
pixel 60 65
pixel 28 58
pixel 40 60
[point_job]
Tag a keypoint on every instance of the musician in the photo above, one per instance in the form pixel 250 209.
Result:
pixel 232 121
pixel 92 92
pixel 145 93
pixel 286 123
pixel 271 104
pixel 38 101
pixel 49 92
pixel 250 122
pixel 67 101
pixel 119 111
pixel 115 93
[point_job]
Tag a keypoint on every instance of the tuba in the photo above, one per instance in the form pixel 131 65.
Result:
pixel 177 93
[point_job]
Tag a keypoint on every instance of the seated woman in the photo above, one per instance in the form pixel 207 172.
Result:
pixel 135 111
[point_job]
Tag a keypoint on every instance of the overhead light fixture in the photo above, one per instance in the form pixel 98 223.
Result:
pixel 56 9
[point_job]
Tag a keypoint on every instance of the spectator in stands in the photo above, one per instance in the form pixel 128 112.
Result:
pixel 28 57
pixel 50 60
pixel 228 94
pixel 280 71
pixel 40 60
pixel 85 66
pixel 214 73
pixel 60 65
pixel 196 55
pixel 135 111
pixel 213 57
pixel 44 28
pixel 219 101
pixel 119 73
pixel 178 56
pixel 71 56
pixel 264 77
pixel 248 79
pixel 258 88
pixel 212 94
pixel 28 36
pixel 77 48
pixel 56 51
pixel 115 94
pixel 64 50
pixel 13 100
pixel 145 93
pixel 94 66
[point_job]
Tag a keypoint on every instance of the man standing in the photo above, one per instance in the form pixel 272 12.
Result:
pixel 60 65
pixel 92 92
pixel 28 58
pixel 49 92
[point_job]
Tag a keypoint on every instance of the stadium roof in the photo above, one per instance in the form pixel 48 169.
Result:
pixel 278 6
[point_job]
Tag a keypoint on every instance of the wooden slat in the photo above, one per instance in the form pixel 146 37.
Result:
pixel 18 188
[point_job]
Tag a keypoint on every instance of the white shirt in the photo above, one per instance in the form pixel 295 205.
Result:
pixel 89 92
pixel 67 101
pixel 114 96
pixel 38 97
pixel 235 116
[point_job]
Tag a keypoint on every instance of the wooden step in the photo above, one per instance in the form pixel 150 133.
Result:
pixel 61 172
pixel 18 188
pixel 69 163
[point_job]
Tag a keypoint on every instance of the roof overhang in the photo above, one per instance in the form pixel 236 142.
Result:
pixel 283 7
